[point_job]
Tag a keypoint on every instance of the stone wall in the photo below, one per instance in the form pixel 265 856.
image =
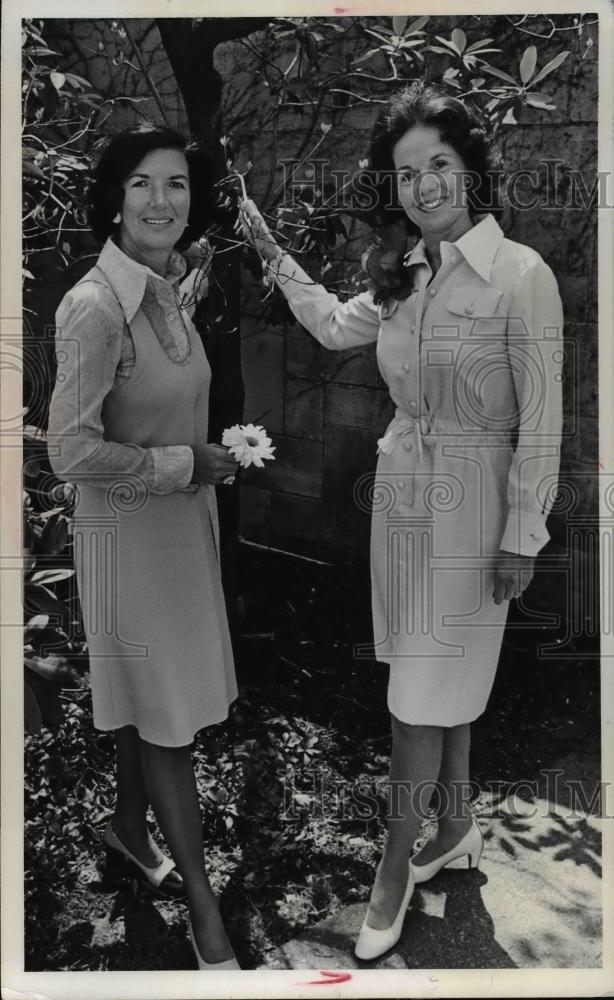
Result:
pixel 326 409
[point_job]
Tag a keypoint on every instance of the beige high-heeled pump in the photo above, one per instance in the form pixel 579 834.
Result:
pixel 228 965
pixel 471 845
pixel 371 943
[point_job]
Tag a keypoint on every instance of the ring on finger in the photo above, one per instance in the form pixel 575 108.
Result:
pixel 228 480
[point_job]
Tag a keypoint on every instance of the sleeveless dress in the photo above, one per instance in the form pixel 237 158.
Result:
pixel 147 563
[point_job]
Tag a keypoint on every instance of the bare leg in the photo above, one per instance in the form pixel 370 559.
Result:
pixel 454 813
pixel 171 788
pixel 414 764
pixel 130 818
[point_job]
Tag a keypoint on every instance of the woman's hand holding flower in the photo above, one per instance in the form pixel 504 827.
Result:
pixel 212 464
pixel 513 574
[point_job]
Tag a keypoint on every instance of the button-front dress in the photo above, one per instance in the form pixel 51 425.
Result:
pixel 131 397
pixel 469 464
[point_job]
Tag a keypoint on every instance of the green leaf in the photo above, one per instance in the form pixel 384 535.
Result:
pixel 550 67
pixel 510 118
pixel 528 63
pixel 378 35
pixel 477 56
pixel 39 621
pixel 500 74
pixel 451 45
pixel 438 48
pixel 416 25
pixel 58 79
pixel 41 50
pixel 541 101
pixel 32 170
pixel 41 599
pixel 398 24
pixel 479 45
pixel 460 39
pixel 52 668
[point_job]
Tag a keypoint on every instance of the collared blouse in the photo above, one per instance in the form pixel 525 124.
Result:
pixel 475 350
pixel 95 350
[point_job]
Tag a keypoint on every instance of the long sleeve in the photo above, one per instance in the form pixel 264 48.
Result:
pixel 89 332
pixel 535 346
pixel 336 325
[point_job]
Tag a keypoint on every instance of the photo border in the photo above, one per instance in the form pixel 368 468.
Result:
pixel 292 983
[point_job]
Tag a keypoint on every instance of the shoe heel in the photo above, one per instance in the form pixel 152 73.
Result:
pixel 117 870
pixel 473 857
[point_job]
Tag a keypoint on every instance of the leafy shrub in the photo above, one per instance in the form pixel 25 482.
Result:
pixel 55 659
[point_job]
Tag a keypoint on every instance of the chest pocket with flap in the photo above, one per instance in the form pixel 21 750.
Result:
pixel 473 302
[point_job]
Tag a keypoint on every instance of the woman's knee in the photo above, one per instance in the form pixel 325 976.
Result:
pixel 417 735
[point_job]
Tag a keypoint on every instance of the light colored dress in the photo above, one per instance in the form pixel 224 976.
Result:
pixel 468 465
pixel 131 396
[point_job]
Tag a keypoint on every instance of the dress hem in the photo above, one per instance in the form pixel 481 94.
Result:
pixel 160 743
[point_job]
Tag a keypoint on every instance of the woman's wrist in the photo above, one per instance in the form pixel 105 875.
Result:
pixel 272 254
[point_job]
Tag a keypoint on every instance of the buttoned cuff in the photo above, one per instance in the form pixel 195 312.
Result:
pixel 172 467
pixel 525 533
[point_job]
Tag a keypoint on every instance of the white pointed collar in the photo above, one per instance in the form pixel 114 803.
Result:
pixel 128 277
pixel 478 246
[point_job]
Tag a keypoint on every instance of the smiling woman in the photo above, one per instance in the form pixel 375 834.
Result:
pixel 433 188
pixel 128 425
pixel 469 345
pixel 155 209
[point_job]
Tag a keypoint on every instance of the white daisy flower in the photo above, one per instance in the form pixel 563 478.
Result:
pixel 249 444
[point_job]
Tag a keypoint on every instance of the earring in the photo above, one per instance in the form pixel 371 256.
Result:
pixel 117 219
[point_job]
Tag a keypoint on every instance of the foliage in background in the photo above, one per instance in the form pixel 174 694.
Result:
pixel 62 118
pixel 55 655
pixel 310 72
pixel 292 793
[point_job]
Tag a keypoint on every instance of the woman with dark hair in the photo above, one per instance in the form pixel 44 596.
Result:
pixel 468 327
pixel 128 425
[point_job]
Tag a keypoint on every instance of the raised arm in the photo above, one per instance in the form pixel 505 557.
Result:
pixel 336 325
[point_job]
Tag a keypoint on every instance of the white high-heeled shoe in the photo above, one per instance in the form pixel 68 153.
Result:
pixel 371 943
pixel 228 965
pixel 162 878
pixel 471 845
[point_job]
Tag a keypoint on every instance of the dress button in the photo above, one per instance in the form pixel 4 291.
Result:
pixel 406 367
pixel 413 404
pixel 407 445
pixel 469 308
pixel 432 291
pixel 412 328
pixel 172 316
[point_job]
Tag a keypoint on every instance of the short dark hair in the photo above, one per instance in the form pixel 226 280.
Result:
pixel 121 155
pixel 459 126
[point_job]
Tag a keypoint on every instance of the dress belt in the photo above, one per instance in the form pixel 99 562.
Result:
pixel 405 425
pixel 402 426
